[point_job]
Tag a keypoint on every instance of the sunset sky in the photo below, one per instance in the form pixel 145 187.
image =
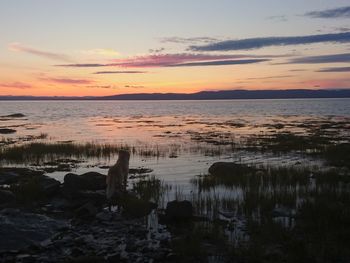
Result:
pixel 101 47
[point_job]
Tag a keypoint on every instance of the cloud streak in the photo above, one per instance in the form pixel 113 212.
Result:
pixel 15 85
pixel 188 40
pixel 335 58
pixel 17 47
pixel 257 43
pixel 220 63
pixel 177 60
pixel 335 69
pixel 341 12
pixel 68 81
pixel 102 87
pixel 120 72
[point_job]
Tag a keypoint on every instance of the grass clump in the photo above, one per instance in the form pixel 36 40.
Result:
pixel 39 151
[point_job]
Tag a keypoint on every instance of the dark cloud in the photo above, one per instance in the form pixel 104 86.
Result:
pixel 188 40
pixel 158 50
pixel 121 72
pixel 341 12
pixel 177 60
pixel 256 43
pixel 220 63
pixel 86 65
pixel 336 58
pixel 335 69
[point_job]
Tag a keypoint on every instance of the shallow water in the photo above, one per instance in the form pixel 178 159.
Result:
pixel 191 131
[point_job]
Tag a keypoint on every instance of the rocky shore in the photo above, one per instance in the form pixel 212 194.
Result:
pixel 42 220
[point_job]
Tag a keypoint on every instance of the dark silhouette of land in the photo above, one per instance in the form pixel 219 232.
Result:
pixel 205 95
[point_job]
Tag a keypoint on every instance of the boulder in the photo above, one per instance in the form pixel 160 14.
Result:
pixel 19 229
pixel 48 186
pixel 9 175
pixel 228 169
pixel 136 207
pixel 89 181
pixel 35 188
pixel 179 210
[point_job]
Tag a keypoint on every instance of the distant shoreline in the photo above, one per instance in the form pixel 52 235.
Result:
pixel 203 95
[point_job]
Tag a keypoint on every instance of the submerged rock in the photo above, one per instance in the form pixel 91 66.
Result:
pixel 178 210
pixel 15 115
pixel 19 230
pixel 7 131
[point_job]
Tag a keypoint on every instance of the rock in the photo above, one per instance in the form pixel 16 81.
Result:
pixel 6 197
pixel 26 258
pixel 87 211
pixel 9 175
pixel 89 181
pixel 178 210
pixel 228 169
pixel 136 207
pixel 98 197
pixel 6 131
pixel 35 188
pixel 104 216
pixel 48 185
pixel 19 229
pixel 15 115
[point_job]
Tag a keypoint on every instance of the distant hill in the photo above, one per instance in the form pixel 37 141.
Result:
pixel 206 95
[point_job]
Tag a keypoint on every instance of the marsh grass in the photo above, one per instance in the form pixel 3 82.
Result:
pixel 338 155
pixel 38 151
pixel 290 214
pixel 151 189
